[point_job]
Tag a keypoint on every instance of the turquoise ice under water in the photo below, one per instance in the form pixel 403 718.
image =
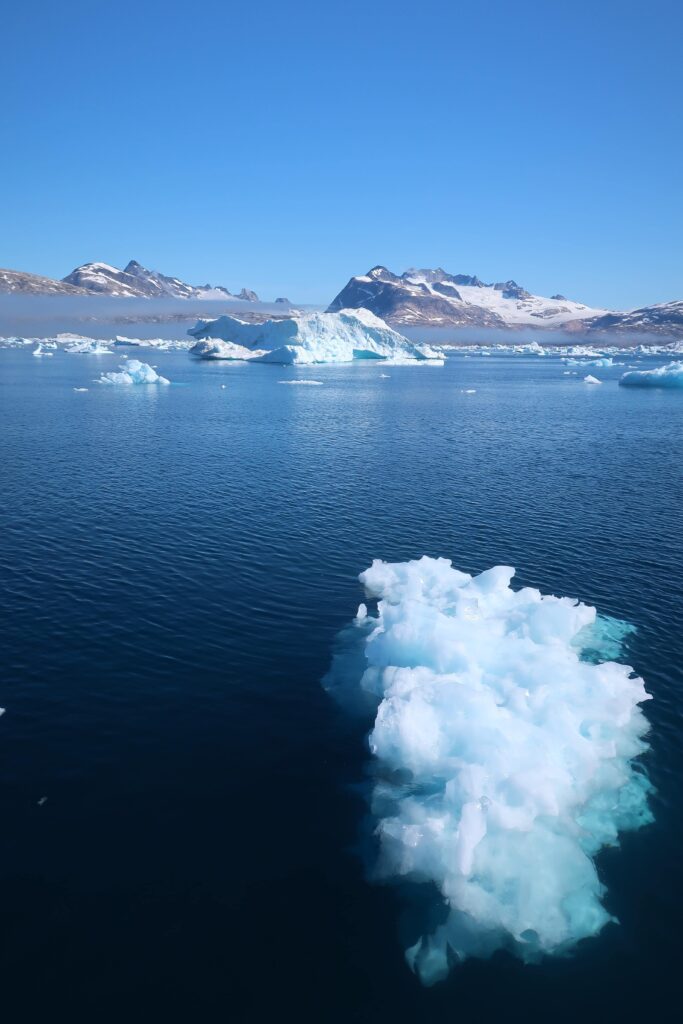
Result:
pixel 505 757
pixel 176 563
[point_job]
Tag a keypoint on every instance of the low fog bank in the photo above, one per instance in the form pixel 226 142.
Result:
pixel 103 317
pixel 465 336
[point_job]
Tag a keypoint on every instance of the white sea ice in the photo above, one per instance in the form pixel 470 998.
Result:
pixel 133 372
pixel 89 347
pixel 504 746
pixel 304 382
pixel 214 348
pixel 669 376
pixel 312 338
pixel 601 361
pixel 590 379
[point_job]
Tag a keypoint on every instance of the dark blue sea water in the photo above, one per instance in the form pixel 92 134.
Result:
pixel 175 564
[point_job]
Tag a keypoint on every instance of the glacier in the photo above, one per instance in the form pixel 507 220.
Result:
pixel 505 748
pixel 669 376
pixel 313 338
pixel 133 372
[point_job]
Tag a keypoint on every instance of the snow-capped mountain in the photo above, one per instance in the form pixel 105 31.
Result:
pixel 437 298
pixel 136 281
pixel 663 318
pixel 22 283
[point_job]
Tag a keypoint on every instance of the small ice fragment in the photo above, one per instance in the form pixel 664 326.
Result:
pixel 43 800
pixel 80 389
pixel 224 385
pixel 469 391
pixel 590 379
pixel 134 372
pixel 300 382
pixel 362 612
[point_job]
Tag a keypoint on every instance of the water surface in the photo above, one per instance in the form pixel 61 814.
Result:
pixel 175 564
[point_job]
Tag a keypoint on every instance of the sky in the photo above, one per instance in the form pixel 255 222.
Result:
pixel 287 147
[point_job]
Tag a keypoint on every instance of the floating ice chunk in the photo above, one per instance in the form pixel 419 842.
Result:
pixel 90 347
pixel 312 338
pixel 80 389
pixel 505 746
pixel 161 344
pixel 41 350
pixel 602 361
pixel 470 391
pixel 591 380
pixel 215 348
pixel 304 382
pixel 669 376
pixel 133 372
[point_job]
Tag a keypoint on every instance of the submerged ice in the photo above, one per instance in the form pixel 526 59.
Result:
pixel 504 746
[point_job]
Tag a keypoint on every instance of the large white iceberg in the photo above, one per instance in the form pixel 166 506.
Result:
pixel 669 376
pixel 504 748
pixel 133 372
pixel 313 338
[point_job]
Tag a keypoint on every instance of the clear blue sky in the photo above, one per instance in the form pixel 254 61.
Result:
pixel 287 146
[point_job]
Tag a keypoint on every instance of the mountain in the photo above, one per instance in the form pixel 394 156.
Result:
pixel 139 282
pixel 440 299
pixel 134 281
pixel 21 283
pixel 664 318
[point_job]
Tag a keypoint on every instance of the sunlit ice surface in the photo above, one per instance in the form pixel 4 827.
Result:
pixel 505 746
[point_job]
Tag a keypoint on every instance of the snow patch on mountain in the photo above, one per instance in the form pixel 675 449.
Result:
pixel 438 298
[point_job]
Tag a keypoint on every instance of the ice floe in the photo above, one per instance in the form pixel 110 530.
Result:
pixel 669 376
pixel 504 746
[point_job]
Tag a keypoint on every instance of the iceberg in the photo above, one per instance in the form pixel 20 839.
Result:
pixel 504 756
pixel 133 372
pixel 313 338
pixel 669 376
pixel 590 379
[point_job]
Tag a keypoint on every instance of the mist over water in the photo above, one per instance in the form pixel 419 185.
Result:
pixel 100 316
